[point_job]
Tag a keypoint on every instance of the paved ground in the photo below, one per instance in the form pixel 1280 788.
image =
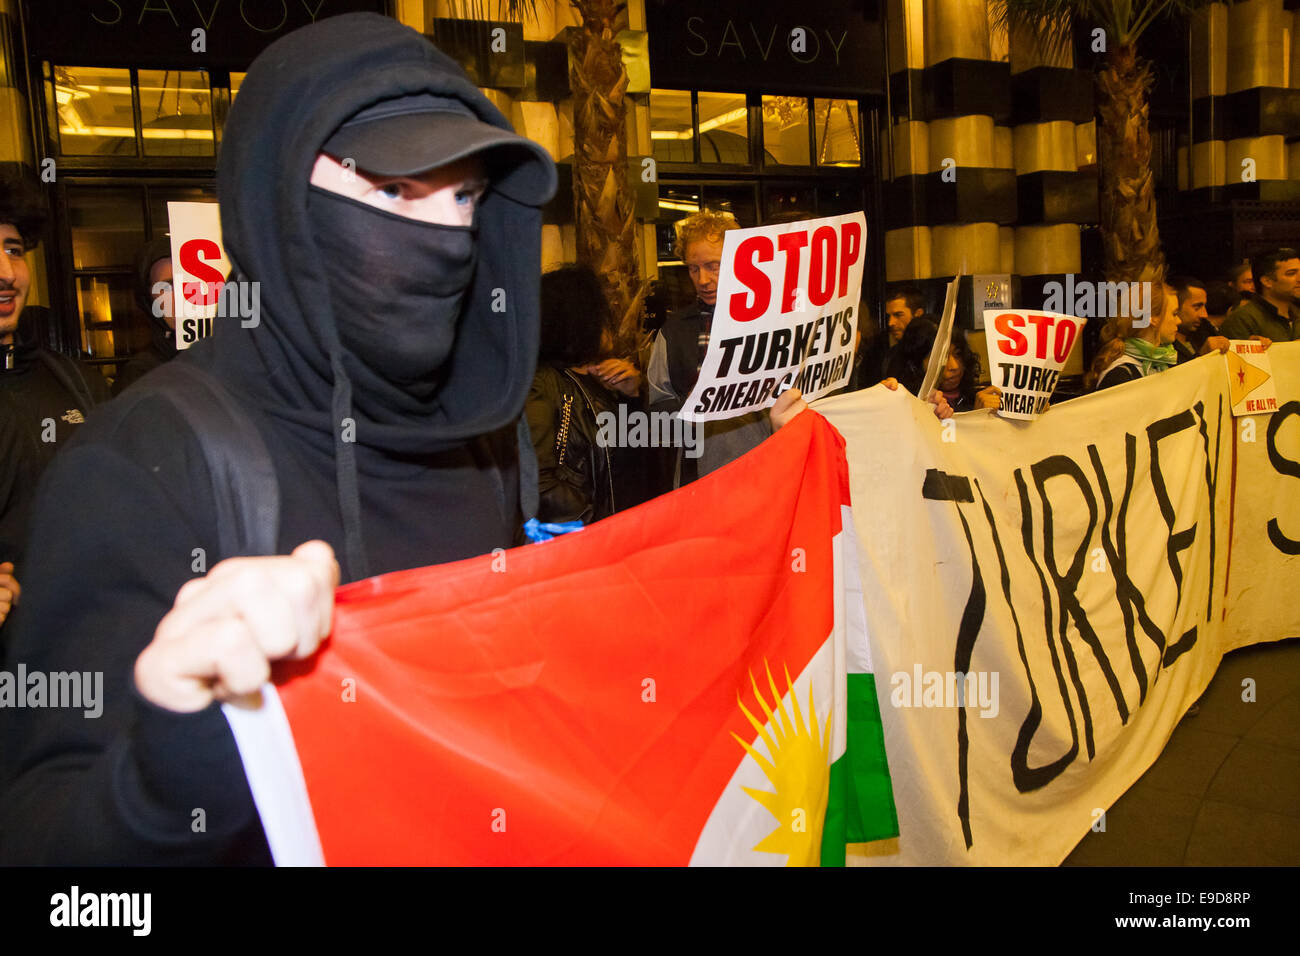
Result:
pixel 1226 790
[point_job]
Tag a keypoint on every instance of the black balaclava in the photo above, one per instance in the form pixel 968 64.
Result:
pixel 399 297
pixel 309 360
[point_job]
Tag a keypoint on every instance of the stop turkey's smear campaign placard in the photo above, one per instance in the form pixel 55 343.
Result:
pixel 1027 350
pixel 786 315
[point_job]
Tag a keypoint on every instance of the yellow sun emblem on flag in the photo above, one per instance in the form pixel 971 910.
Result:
pixel 799 769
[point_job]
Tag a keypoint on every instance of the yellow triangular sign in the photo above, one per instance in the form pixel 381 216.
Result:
pixel 1243 378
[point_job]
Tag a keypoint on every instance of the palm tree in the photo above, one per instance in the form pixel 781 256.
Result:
pixel 1126 189
pixel 604 199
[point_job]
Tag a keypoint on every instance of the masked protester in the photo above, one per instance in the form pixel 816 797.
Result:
pixel 391 220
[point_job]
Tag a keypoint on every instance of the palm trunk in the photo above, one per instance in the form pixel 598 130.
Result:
pixel 1129 233
pixel 605 205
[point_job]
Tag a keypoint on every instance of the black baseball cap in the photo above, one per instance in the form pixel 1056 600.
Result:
pixel 412 134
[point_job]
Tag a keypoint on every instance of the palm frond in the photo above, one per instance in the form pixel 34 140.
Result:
pixel 1053 20
pixel 496 9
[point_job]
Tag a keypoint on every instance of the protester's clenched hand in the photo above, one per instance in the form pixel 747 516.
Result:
pixel 890 383
pixel 988 397
pixel 942 409
pixel 1263 340
pixel 618 374
pixel 225 628
pixel 9 589
pixel 1217 343
pixel 788 404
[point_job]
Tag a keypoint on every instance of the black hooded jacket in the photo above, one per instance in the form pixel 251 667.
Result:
pixel 126 515
pixel 44 397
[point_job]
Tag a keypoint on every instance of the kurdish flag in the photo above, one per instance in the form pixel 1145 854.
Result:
pixel 688 682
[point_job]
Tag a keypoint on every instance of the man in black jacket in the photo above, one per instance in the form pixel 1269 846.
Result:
pixel 44 396
pixel 1196 335
pixel 392 220
pixel 903 307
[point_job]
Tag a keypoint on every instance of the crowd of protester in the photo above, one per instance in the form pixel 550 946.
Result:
pixel 580 378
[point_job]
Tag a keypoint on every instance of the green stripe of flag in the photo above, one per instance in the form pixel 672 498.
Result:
pixel 861 804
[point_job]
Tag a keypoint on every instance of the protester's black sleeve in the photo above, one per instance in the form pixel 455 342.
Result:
pixel 113 537
pixel 15 489
pixel 1198 336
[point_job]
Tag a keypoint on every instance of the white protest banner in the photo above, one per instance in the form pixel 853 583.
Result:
pixel 1027 350
pixel 1250 379
pixel 1045 601
pixel 199 268
pixel 786 315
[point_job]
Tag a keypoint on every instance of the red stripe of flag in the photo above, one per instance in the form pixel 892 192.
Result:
pixel 515 697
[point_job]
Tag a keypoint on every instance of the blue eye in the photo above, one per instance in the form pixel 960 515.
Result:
pixel 392 190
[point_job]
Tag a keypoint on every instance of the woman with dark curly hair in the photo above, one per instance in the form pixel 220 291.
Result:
pixel 959 380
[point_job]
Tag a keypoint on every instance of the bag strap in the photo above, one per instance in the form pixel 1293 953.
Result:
pixel 245 489
pixel 562 433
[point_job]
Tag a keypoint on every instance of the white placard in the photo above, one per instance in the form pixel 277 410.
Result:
pixel 942 341
pixel 1251 388
pixel 1027 350
pixel 786 315
pixel 199 268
